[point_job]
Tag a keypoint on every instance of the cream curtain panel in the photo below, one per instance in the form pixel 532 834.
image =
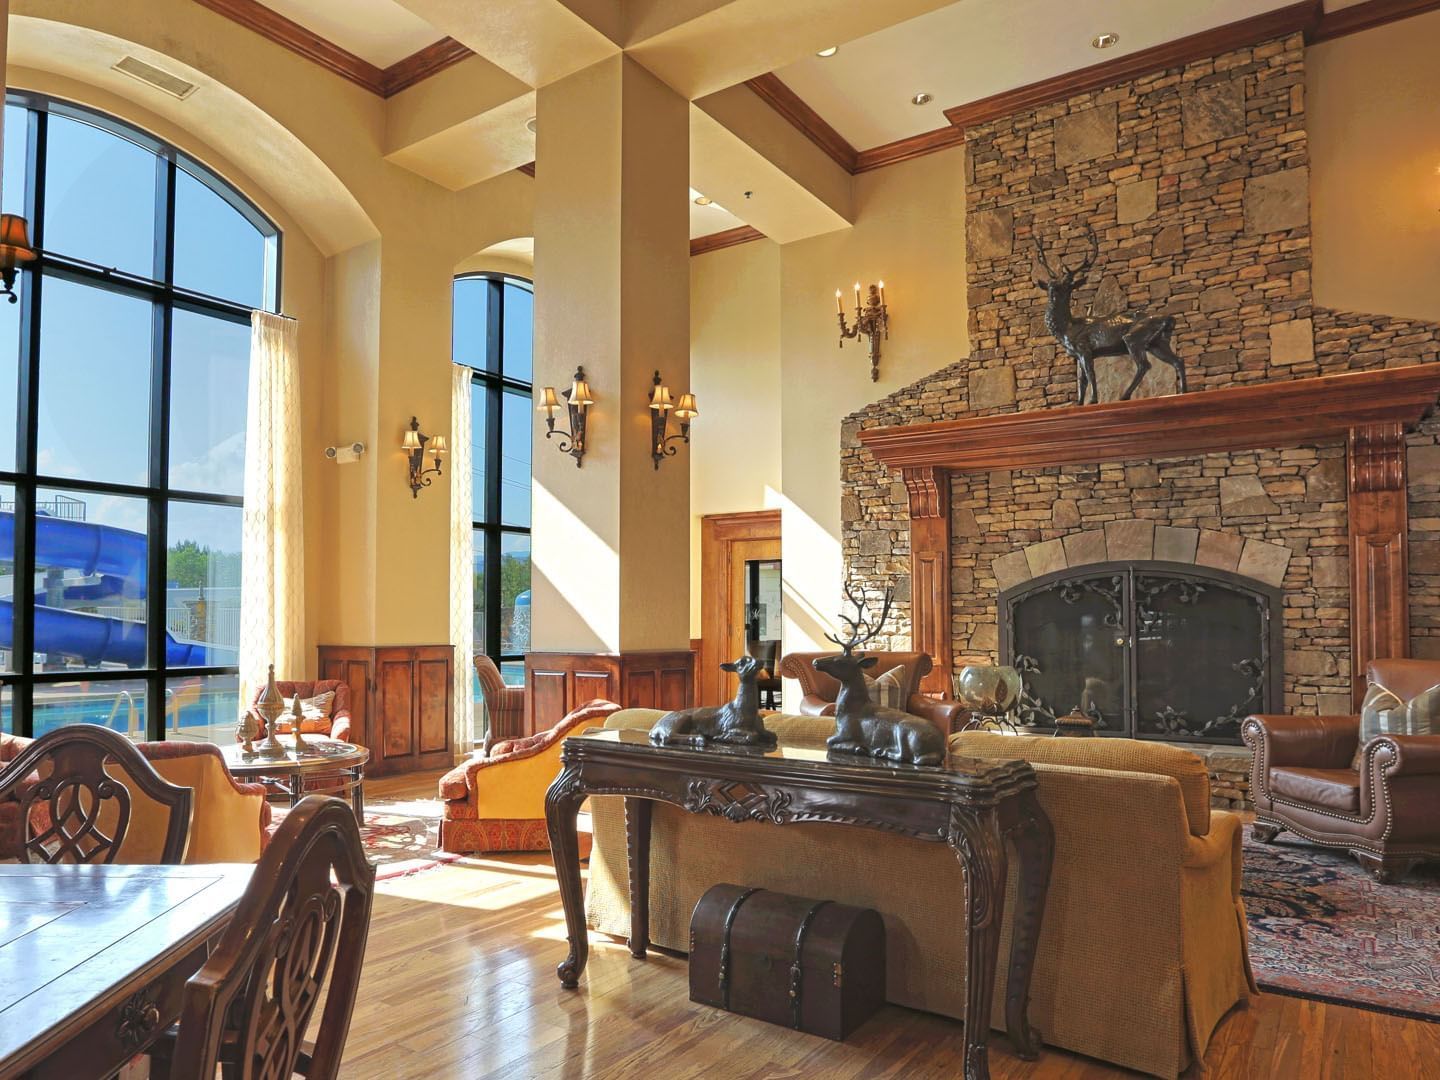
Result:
pixel 272 575
pixel 462 557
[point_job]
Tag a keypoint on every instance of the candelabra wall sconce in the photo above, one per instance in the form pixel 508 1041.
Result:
pixel 415 444
pixel 661 407
pixel 578 400
pixel 872 319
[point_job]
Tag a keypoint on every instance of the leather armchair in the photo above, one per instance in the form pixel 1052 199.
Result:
pixel 1381 805
pixel 338 726
pixel 821 690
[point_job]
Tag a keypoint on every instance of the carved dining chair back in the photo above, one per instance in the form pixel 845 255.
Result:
pixel 74 806
pixel 304 918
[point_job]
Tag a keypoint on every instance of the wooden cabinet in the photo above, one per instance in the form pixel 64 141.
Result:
pixel 402 700
pixel 557 683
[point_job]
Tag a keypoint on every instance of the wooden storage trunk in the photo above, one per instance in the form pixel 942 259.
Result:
pixel 812 965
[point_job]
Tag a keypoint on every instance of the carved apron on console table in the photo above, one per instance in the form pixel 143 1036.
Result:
pixel 976 807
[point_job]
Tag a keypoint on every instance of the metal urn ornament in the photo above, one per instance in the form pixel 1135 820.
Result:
pixel 737 722
pixel 1125 333
pixel 270 706
pixel 861 726
pixel 992 691
pixel 297 717
pixel 245 731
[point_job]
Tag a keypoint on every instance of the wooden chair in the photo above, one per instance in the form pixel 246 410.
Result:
pixel 72 808
pixel 249 1007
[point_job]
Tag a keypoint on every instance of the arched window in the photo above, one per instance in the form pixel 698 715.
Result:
pixel 493 327
pixel 123 377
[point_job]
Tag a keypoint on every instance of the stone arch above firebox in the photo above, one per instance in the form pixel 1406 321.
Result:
pixel 1137 539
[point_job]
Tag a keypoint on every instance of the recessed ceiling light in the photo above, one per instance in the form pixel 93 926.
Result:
pixel 530 125
pixel 827 53
pixel 922 98
pixel 1105 40
pixel 703 200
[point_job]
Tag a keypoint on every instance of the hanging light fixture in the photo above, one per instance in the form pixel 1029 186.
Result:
pixel 15 251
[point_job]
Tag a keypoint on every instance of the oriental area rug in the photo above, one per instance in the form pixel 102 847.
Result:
pixel 1323 928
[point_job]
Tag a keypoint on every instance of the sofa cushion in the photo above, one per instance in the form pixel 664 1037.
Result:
pixel 1334 789
pixel 890 690
pixel 1120 755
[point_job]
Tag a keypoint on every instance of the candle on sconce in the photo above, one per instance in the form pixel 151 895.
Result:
pixel 839 308
pixel 882 292
pixel 857 295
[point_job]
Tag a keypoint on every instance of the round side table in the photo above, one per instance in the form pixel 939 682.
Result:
pixel 340 764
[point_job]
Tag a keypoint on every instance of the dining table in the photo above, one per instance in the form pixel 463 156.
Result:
pixel 94 959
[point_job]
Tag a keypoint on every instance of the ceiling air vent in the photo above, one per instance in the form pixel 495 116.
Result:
pixel 154 76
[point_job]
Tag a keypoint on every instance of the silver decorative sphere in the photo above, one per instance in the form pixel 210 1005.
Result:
pixel 991 689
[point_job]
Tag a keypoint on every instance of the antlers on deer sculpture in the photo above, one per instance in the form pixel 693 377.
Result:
pixel 1132 333
pixel 861 726
pixel 736 722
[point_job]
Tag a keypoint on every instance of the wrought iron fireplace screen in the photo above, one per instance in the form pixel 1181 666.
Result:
pixel 1150 650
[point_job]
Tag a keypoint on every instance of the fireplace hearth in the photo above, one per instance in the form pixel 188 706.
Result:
pixel 1148 650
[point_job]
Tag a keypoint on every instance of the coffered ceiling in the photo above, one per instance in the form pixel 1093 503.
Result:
pixel 380 31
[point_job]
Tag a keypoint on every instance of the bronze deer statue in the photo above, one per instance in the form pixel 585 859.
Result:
pixel 861 726
pixel 1124 333
pixel 736 722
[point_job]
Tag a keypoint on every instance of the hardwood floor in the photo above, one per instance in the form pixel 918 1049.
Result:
pixel 459 981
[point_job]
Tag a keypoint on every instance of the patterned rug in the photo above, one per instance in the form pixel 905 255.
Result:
pixel 1322 928
pixel 401 836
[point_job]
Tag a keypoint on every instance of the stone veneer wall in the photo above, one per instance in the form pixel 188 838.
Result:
pixel 1196 182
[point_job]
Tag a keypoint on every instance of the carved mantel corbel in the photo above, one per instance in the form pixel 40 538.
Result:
pixel 1379 548
pixel 929 490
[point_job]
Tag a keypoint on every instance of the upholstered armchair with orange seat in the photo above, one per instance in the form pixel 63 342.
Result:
pixel 821 690
pixel 334 725
pixel 497 803
pixel 228 820
pixel 1357 783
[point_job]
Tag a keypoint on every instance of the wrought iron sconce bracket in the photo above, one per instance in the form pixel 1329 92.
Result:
pixel 660 408
pixel 571 442
pixel 872 320
pixel 414 446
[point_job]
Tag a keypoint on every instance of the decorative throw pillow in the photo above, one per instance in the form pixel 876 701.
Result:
pixel 1383 713
pixel 888 690
pixel 314 715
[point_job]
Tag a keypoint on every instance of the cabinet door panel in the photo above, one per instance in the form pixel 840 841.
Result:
pixel 396 706
pixel 433 705
pixel 547 697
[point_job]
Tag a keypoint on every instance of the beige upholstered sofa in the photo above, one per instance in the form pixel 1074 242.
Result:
pixel 1143 945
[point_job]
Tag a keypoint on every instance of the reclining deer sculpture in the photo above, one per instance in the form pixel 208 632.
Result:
pixel 1132 333
pixel 861 726
pixel 737 722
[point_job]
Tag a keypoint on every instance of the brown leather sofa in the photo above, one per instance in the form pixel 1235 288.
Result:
pixel 1385 812
pixel 821 690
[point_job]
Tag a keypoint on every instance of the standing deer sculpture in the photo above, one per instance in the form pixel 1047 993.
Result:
pixel 736 722
pixel 861 726
pixel 1124 333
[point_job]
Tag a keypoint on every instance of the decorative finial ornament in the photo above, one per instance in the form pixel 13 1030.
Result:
pixel 270 705
pixel 297 716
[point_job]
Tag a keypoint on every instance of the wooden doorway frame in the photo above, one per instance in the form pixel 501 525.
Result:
pixel 718 533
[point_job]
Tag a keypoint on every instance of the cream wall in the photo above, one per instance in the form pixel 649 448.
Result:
pixel 735 377
pixel 1374 123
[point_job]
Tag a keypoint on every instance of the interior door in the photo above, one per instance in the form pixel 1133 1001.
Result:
pixel 753 608
pixel 740 596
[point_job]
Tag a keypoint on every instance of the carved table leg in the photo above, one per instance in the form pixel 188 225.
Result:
pixel 637 850
pixel 562 804
pixel 975 835
pixel 1035 846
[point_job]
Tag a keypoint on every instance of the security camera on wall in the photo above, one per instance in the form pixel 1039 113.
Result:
pixel 344 455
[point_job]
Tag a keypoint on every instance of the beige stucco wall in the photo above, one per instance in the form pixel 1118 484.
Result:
pixel 1374 122
pixel 735 376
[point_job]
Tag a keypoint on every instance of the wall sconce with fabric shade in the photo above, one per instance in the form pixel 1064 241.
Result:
pixel 578 400
pixel 15 251
pixel 415 444
pixel 661 406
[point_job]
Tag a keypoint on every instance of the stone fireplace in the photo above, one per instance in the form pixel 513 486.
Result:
pixel 1305 458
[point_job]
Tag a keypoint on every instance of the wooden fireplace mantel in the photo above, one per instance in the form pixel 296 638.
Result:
pixel 1369 409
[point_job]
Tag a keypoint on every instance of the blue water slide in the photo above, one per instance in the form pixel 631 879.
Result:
pixel 118 555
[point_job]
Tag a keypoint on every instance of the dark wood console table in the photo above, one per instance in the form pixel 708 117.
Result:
pixel 975 807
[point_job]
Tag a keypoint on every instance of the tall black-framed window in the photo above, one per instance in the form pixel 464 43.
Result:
pixel 123 370
pixel 493 335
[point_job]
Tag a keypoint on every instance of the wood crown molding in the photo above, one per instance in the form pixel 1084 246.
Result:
pixel 771 89
pixel 1372 13
pixel 384 82
pixel 1208 421
pixel 742 234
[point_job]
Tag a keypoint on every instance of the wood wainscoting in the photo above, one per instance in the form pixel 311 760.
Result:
pixel 557 683
pixel 725 540
pixel 402 702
